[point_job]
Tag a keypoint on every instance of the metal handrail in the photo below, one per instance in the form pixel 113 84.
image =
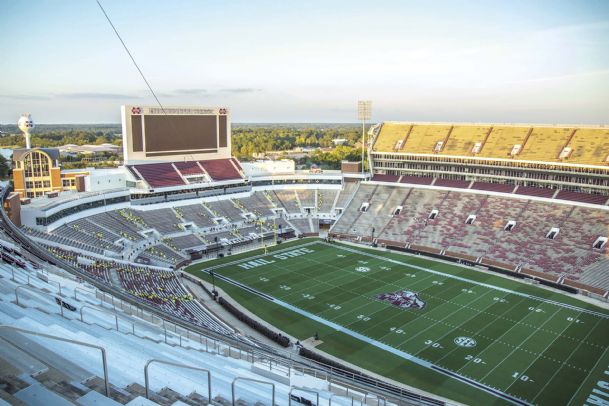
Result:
pixel 36 291
pixel 281 357
pixel 101 310
pixel 158 361
pixel 377 397
pixel 293 388
pixel 252 380
pixel 76 288
pixel 66 340
pixel 341 396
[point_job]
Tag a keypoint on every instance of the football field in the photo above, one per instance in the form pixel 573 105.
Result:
pixel 471 336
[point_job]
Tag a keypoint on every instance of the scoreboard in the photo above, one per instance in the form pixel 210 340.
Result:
pixel 175 133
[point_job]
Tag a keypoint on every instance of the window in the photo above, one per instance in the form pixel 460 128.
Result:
pixel 37 164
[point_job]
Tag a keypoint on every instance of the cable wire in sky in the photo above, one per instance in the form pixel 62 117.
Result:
pixel 130 56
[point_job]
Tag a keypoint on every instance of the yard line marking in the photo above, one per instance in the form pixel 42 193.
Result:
pixel 599 314
pixel 481 329
pixel 442 319
pixel 519 346
pixel 498 339
pixel 566 361
pixel 533 362
pixel 589 373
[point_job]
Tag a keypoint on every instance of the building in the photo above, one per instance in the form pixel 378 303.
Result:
pixel 36 172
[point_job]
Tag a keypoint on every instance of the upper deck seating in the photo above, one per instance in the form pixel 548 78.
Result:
pixel 188 168
pixel 493 187
pixel 160 174
pixel 545 143
pixel 423 139
pixel 535 191
pixel 589 146
pixel 581 197
pixel 463 138
pixel 502 140
pixel 220 169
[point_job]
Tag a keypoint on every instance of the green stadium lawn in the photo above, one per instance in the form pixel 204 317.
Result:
pixel 534 345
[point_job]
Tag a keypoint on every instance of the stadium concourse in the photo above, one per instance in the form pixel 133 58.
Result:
pixel 527 201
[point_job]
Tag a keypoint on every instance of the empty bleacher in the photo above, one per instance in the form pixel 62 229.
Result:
pixel 537 143
pixel 221 169
pixel 570 253
pixel 159 174
pixel 545 143
pixel 424 138
pixel 463 139
pixel 390 135
pixel 501 141
pixel 43 370
pixel 306 198
pixel 589 146
pixel 345 194
pixel 325 200
pixel 189 168
pixel 287 200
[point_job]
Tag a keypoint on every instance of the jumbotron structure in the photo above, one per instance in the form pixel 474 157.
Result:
pixel 527 201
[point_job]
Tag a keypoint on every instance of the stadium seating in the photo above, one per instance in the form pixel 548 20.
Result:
pixel 159 174
pixel 189 168
pixel 589 146
pixel 390 135
pixel 345 194
pixel 221 169
pixel 38 370
pixel 526 245
pixel 493 187
pixel 581 197
pixel 423 139
pixel 501 141
pixel 462 139
pixel 416 180
pixel 535 191
pixel 545 143
pixel 306 197
pixel 325 200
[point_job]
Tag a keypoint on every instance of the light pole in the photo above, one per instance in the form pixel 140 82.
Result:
pixel 364 113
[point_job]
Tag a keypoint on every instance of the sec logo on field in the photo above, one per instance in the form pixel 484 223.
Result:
pixel 467 342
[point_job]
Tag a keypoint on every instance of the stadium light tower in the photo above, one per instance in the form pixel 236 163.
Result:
pixel 364 113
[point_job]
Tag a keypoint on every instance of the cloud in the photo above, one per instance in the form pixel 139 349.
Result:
pixel 24 97
pixel 190 91
pixel 240 90
pixel 97 95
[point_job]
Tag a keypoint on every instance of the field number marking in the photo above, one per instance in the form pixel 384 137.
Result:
pixel 523 378
pixel 475 360
pixel 433 344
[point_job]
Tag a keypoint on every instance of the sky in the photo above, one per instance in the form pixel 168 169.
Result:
pixel 309 61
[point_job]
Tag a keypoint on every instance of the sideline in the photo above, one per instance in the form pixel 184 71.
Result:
pixel 378 344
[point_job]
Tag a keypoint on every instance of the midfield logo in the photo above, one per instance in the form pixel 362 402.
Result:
pixel 404 299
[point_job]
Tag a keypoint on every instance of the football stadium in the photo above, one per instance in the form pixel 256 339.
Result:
pixel 456 263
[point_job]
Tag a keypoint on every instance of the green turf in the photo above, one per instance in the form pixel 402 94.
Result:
pixel 528 348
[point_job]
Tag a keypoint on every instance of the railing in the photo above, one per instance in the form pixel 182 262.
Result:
pixel 65 340
pixel 146 375
pixel 231 344
pixel 255 381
